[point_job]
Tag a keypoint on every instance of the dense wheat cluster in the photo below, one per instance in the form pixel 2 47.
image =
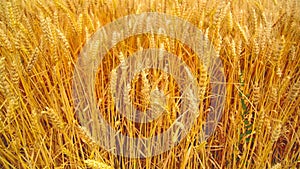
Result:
pixel 257 41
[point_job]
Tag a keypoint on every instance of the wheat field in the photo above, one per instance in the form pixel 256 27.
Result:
pixel 257 41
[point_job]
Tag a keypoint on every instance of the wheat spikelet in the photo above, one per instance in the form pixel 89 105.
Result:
pixel 185 12
pixel 152 41
pixel 177 8
pixel 201 22
pixel 233 51
pixel 217 17
pixel 278 71
pixel 277 166
pixel 279 52
pixel 203 81
pixel 186 158
pixel 34 121
pixel 52 39
pixel 276 133
pixel 64 39
pixel 138 42
pixel 4 86
pixel 157 101
pixel 242 32
pixel 124 64
pixel 261 120
pixel 62 7
pixel 87 138
pixel 16 11
pixel 96 164
pixel 6 41
pixel 126 98
pixel 29 29
pixel 26 43
pixel 54 118
pixel 32 59
pixel 254 16
pixel 113 81
pixel 45 28
pixel 146 84
pixel 71 5
pixel 294 92
pixel 17 42
pixel 14 74
pixel 292 54
pixel 268 125
pixel 13 104
pixel 263 39
pixel 2 125
pixel 229 21
pixel 255 47
pixel 80 24
pixel 44 8
pixel 256 93
pixel 72 22
pixel 98 24
pixel 114 39
pixel 55 18
pixel 161 52
pixel 87 34
pixel 218 44
pixel 10 14
pixel 89 20
pixel 274 94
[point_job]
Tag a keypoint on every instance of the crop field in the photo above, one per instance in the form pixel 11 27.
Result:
pixel 53 91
